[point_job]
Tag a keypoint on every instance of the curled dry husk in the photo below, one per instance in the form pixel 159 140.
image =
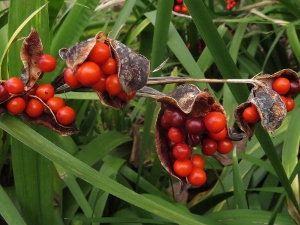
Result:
pixel 270 107
pixel 133 68
pixel 31 50
pixel 192 101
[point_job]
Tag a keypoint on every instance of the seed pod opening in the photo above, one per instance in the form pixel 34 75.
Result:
pixel 132 69
pixel 185 103
pixel 270 106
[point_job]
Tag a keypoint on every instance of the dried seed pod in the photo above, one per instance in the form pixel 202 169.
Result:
pixel 133 69
pixel 31 50
pixel 268 103
pixel 193 103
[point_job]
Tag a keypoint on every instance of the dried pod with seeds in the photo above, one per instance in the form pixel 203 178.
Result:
pixel 186 101
pixel 132 69
pixel 268 103
pixel 30 52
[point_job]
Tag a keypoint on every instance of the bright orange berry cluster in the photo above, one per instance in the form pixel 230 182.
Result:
pixel 180 7
pixel 185 132
pixel 33 102
pixel 99 71
pixel 230 4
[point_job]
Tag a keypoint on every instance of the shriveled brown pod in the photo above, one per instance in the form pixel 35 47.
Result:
pixel 193 103
pixel 31 50
pixel 133 69
pixel 271 109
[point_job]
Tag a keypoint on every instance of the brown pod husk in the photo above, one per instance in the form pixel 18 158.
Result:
pixel 133 68
pixel 31 50
pixel 269 105
pixel 193 102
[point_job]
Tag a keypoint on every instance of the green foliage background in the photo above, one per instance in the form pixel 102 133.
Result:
pixel 87 178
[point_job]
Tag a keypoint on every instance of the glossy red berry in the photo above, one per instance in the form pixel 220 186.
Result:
pixel 209 147
pixel 174 116
pixel 184 9
pixel 179 1
pixel 164 123
pixel 14 85
pixel 3 93
pixel 46 63
pixel 181 151
pixel 177 8
pixel 283 99
pixel 182 167
pixel 194 139
pixel 66 115
pixel 113 85
pixel 101 83
pixel 281 85
pixel 250 114
pixel 15 105
pixel 99 54
pixel 218 136
pixel 88 73
pixel 176 135
pixel 109 66
pixel 71 79
pixel 294 89
pixel 34 108
pixel 55 103
pixel 225 146
pixel 195 125
pixel 215 122
pixel 290 104
pixel 197 161
pixel 45 91
pixel 197 177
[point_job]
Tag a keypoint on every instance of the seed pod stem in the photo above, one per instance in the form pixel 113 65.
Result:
pixel 168 80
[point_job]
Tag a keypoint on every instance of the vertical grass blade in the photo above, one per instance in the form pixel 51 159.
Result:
pixel 159 45
pixel 8 210
pixel 216 46
pixel 239 192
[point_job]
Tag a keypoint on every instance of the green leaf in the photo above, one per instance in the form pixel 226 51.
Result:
pixel 8 210
pixel 245 217
pixel 238 187
pixel 49 150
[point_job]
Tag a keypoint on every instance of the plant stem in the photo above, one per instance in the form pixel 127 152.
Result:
pixel 168 80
